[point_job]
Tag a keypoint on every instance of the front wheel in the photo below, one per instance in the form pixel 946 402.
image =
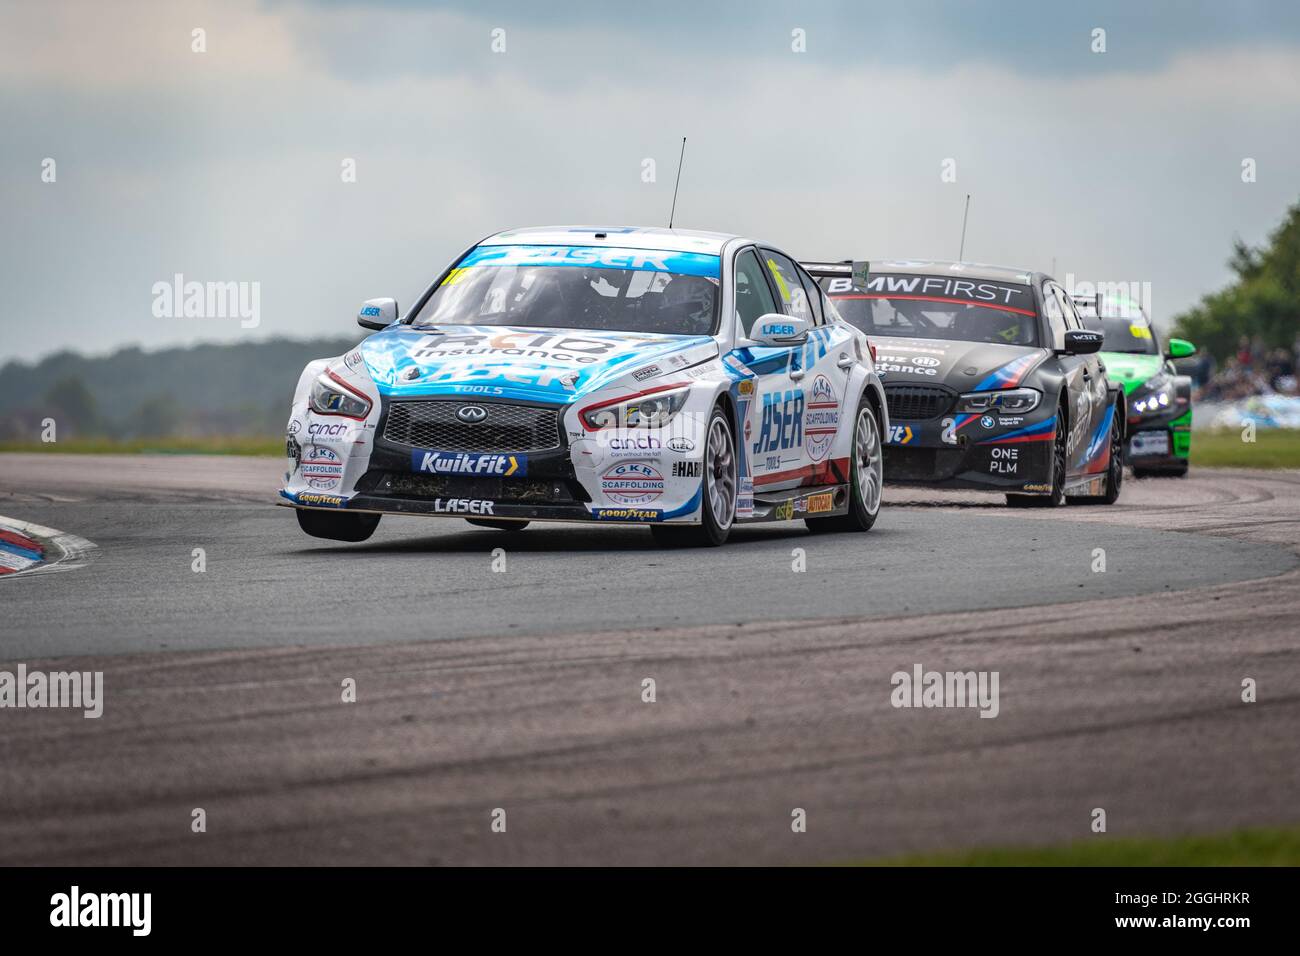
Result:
pixel 1056 497
pixel 337 525
pixel 718 490
pixel 866 478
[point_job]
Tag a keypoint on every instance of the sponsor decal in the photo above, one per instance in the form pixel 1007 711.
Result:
pixel 629 443
pixel 477 389
pixel 654 260
pixel 468 463
pixel 902 364
pixel 821 419
pixel 688 469
pixel 987 421
pixel 321 467
pixel 632 482
pixel 626 514
pixel 925 361
pixel 327 431
pixel 745 386
pixel 745 498
pixel 682 445
pixel 1004 460
pixel 513 343
pixel 370 311
pixel 938 287
pixel 650 371
pixel 818 504
pixel 782 425
pixel 1036 487
pixel 461 506
pixel 900 434
pixel 320 500
pixel 784 511
pixel 295 426
pixel 353 359
pixel 778 330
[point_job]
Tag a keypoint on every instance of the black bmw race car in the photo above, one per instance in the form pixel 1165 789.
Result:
pixel 992 379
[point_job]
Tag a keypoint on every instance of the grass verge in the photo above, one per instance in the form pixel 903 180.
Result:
pixel 1256 847
pixel 1276 448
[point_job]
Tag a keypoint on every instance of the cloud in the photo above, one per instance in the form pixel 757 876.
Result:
pixel 226 165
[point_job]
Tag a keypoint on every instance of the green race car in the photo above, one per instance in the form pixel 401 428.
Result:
pixel 1159 399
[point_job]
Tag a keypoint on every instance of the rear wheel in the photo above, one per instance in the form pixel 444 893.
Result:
pixel 1056 497
pixel 718 491
pixel 866 478
pixel 498 525
pixel 337 525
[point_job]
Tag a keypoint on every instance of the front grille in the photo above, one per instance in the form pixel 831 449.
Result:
pixel 917 403
pixel 433 424
pixel 551 491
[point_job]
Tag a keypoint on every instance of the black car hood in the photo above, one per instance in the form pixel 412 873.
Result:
pixel 963 366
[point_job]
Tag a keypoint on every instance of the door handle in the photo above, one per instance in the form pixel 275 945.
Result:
pixel 796 374
pixel 1086 374
pixel 846 361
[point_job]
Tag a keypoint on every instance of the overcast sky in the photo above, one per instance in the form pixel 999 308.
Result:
pixel 226 165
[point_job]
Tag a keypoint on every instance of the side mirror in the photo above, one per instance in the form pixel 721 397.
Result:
pixel 1082 342
pixel 777 329
pixel 1180 348
pixel 377 313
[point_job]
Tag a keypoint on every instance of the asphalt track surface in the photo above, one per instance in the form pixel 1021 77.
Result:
pixel 522 690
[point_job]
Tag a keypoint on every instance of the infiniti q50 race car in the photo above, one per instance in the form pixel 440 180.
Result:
pixel 992 381
pixel 688 380
pixel 1159 399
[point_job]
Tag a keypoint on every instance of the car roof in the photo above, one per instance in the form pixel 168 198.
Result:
pixel 625 237
pixel 931 267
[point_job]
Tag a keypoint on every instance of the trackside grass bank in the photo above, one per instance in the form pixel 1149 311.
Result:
pixel 1264 847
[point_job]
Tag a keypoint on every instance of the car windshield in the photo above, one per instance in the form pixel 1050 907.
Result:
pixel 1126 335
pixel 937 318
pixel 579 287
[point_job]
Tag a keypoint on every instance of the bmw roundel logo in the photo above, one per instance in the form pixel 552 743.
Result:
pixel 987 421
pixel 471 413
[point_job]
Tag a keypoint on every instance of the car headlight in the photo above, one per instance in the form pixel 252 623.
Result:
pixel 1153 403
pixel 647 410
pixel 1154 397
pixel 330 395
pixel 1011 401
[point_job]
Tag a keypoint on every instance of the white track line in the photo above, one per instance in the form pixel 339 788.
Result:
pixel 74 551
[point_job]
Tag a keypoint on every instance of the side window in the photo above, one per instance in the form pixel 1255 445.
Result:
pixel 1072 320
pixel 753 297
pixel 814 296
pixel 794 300
pixel 1055 315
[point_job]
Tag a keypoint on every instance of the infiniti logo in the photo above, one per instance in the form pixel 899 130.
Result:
pixel 471 413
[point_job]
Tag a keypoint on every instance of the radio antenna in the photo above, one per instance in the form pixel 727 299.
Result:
pixel 961 254
pixel 680 159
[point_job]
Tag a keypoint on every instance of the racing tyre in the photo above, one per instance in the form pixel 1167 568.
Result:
pixel 499 525
pixel 337 526
pixel 718 485
pixel 865 481
pixel 1115 471
pixel 1056 497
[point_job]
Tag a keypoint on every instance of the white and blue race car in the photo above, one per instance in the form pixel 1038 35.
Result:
pixel 687 380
